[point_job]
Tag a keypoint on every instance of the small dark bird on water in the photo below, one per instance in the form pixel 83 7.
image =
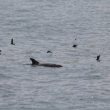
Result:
pixel 74 45
pixel 0 52
pixel 49 51
pixel 98 58
pixel 12 43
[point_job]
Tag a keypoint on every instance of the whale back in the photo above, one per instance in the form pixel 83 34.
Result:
pixel 34 62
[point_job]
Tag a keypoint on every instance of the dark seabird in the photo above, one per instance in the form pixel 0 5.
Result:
pixel 74 45
pixel 98 58
pixel 49 51
pixel 12 43
pixel 34 62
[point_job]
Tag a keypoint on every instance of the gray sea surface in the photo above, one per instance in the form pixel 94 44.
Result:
pixel 41 25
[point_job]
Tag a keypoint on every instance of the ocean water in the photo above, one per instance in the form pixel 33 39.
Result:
pixel 41 25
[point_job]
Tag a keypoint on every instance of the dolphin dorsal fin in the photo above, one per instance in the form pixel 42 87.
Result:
pixel 34 62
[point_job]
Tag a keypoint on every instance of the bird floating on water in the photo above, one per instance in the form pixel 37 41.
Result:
pixel 75 45
pixel 98 58
pixel 12 43
pixel 0 52
pixel 49 51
